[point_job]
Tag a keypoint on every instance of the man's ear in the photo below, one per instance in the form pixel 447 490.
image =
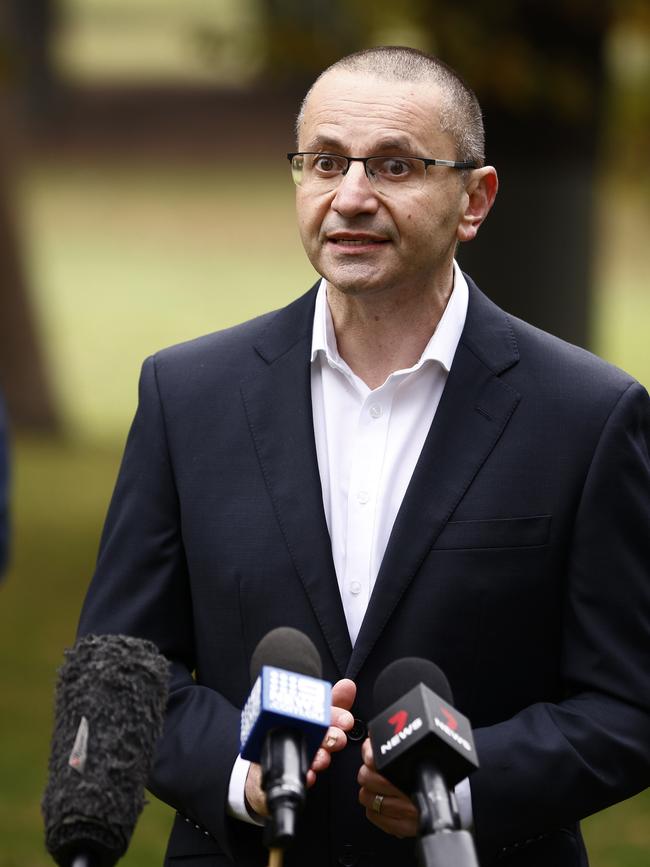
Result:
pixel 480 193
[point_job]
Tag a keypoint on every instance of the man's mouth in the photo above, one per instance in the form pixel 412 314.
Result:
pixel 353 241
pixel 345 240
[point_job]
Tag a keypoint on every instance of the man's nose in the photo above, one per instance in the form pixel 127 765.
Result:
pixel 355 194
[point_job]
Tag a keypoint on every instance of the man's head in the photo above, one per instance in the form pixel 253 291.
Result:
pixel 459 111
pixel 391 224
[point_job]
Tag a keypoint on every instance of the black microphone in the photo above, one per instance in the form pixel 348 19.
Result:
pixel 423 745
pixel 283 724
pixel 110 701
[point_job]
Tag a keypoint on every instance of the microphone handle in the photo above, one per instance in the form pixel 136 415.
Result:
pixel 433 800
pixel 81 861
pixel 440 842
pixel 284 772
pixel 446 849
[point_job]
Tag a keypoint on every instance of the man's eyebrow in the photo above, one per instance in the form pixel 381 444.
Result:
pixel 398 144
pixel 395 143
pixel 323 141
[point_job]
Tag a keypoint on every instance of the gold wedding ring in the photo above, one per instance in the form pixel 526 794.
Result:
pixel 377 802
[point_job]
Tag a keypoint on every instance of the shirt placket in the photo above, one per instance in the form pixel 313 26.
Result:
pixel 365 480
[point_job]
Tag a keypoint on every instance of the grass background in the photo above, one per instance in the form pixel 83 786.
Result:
pixel 126 258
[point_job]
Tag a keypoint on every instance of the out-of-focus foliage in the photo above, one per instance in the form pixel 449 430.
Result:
pixel 627 135
pixel 529 58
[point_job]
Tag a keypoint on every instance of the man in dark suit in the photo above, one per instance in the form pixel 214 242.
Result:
pixel 397 468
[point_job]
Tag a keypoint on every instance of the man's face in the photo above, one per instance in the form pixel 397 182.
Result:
pixel 358 238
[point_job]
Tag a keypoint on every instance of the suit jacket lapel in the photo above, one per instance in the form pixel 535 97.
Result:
pixel 475 407
pixel 278 407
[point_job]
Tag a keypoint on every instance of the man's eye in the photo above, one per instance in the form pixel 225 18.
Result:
pixel 326 164
pixel 395 168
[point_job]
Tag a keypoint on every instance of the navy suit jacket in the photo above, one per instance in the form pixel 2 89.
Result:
pixel 518 562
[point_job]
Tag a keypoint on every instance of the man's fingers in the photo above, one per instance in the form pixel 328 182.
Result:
pixel 367 754
pixel 342 719
pixel 255 797
pixel 374 782
pixel 391 807
pixel 334 740
pixel 394 815
pixel 321 760
pixel 344 693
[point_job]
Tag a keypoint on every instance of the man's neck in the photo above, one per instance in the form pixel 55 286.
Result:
pixel 380 333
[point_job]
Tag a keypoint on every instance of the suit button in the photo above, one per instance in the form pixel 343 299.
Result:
pixel 359 731
pixel 347 856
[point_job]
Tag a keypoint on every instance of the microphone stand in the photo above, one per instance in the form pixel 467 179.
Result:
pixel 441 843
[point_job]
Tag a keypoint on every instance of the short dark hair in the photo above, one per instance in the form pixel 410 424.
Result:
pixel 460 113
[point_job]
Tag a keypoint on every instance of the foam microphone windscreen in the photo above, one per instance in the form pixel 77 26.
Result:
pixel 416 724
pixel 403 674
pixel 109 710
pixel 289 649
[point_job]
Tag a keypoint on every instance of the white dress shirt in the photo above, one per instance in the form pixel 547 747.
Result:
pixel 368 442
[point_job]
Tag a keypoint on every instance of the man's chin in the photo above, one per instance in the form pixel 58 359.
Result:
pixel 353 280
pixel 354 287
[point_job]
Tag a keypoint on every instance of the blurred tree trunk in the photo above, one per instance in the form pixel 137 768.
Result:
pixel 23 374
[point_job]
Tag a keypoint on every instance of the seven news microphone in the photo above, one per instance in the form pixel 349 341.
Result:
pixel 425 746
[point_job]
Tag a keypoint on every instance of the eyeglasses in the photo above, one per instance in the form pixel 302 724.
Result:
pixel 322 172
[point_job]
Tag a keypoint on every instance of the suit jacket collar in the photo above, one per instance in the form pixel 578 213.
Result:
pixel 277 400
pixel 475 407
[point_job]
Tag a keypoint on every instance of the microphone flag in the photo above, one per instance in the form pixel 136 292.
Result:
pixel 421 726
pixel 281 698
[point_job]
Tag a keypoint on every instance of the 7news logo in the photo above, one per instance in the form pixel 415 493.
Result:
pixel 401 730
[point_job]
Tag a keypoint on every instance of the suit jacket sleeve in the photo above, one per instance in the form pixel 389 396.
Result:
pixel 141 588
pixel 555 761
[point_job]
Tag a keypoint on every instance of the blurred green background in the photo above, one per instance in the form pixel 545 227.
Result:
pixel 150 201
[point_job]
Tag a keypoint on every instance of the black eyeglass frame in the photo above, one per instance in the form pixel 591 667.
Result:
pixel 428 161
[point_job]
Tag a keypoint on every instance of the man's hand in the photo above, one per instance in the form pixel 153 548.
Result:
pixel 397 813
pixel 343 695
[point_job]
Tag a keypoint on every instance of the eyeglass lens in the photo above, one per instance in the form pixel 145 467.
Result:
pixel 324 171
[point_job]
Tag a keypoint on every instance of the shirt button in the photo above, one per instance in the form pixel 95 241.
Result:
pixel 355 587
pixel 363 497
pixel 375 410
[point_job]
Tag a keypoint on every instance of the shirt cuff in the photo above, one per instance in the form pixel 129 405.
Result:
pixel 463 795
pixel 237 806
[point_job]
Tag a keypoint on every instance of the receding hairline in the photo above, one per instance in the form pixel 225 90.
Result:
pixel 459 113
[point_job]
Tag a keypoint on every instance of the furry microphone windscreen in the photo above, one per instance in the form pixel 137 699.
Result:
pixel 109 711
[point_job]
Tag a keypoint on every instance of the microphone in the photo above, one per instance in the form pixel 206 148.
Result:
pixel 283 724
pixel 423 745
pixel 110 701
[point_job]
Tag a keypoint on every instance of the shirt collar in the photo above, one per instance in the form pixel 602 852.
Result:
pixel 441 346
